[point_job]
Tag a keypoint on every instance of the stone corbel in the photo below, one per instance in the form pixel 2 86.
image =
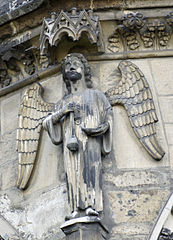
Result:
pixel 72 24
pixel 16 8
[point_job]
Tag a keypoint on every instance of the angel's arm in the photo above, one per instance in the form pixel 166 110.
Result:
pixel 60 113
pixel 93 132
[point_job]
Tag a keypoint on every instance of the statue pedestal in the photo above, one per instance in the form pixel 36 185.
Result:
pixel 85 228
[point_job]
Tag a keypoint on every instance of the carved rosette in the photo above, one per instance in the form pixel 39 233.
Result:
pixel 72 24
pixel 126 32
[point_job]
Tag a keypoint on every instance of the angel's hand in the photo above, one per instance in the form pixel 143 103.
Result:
pixel 73 107
pixel 46 120
pixel 101 129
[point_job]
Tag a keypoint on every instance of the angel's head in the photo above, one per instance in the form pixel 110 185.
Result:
pixel 74 67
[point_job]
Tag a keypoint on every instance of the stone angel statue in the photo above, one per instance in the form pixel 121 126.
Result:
pixel 82 120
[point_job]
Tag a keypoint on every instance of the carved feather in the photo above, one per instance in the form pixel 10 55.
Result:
pixel 33 110
pixel 138 102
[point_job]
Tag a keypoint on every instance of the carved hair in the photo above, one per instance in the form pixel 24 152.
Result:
pixel 87 69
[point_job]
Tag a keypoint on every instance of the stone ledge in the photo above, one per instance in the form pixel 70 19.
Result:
pixel 9 12
pixel 104 57
pixel 26 81
pixel 85 228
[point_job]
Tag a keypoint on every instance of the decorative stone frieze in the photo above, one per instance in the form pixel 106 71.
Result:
pixel 135 31
pixel 16 8
pixel 19 61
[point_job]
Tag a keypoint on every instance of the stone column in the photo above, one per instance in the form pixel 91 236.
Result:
pixel 85 228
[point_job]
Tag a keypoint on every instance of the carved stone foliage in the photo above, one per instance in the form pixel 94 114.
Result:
pixel 18 61
pixel 134 31
pixel 165 234
pixel 73 24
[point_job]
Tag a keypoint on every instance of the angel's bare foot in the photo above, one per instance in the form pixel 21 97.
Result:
pixel 73 215
pixel 91 212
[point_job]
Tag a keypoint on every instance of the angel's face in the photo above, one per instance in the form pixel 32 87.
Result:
pixel 74 69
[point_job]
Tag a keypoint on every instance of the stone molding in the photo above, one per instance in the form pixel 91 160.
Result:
pixel 17 8
pixel 136 36
pixel 31 79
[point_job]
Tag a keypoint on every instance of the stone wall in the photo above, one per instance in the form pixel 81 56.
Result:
pixel 136 187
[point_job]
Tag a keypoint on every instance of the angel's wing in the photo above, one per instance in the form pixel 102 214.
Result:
pixel 133 92
pixel 32 112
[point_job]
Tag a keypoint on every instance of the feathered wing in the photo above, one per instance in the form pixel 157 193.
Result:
pixel 32 112
pixel 133 92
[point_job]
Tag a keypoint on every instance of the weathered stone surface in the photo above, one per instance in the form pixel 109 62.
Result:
pixel 49 168
pixel 11 42
pixel 135 206
pixel 162 73
pixel 134 237
pixel 129 153
pixel 109 28
pixel 53 88
pixel 95 70
pixel 13 9
pixel 169 133
pixel 8 175
pixel 8 148
pixel 166 107
pixel 137 178
pixel 37 218
pixel 106 68
pixel 9 113
pixel 132 229
pixel 171 155
pixel 6 229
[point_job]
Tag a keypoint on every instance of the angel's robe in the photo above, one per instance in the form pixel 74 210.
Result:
pixel 83 167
